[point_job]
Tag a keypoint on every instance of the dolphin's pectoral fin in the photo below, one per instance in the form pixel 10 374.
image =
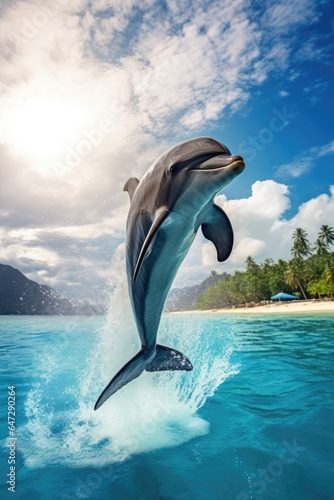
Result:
pixel 167 358
pixel 130 186
pixel 161 215
pixel 218 229
pixel 130 371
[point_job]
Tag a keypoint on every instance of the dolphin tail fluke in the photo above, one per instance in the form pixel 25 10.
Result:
pixel 167 358
pixel 130 371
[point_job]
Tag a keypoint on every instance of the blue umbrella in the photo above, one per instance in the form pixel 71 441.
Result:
pixel 284 296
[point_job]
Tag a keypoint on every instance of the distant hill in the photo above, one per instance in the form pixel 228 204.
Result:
pixel 19 295
pixel 185 299
pixel 22 296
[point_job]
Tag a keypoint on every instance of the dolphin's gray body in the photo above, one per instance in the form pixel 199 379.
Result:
pixel 170 203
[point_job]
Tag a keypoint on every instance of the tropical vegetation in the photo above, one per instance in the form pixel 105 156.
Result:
pixel 309 274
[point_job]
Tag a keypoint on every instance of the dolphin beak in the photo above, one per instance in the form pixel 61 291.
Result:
pixel 219 162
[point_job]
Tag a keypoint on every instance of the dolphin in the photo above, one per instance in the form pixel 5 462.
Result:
pixel 173 199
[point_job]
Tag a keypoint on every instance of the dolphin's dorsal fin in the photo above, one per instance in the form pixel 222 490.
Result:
pixel 217 228
pixel 130 186
pixel 160 216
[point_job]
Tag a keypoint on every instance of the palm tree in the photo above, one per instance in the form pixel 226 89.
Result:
pixel 250 262
pixel 328 274
pixel 320 247
pixel 312 270
pixel 301 245
pixel 326 235
pixel 294 274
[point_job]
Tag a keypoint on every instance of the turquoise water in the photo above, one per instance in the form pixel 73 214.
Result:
pixel 254 420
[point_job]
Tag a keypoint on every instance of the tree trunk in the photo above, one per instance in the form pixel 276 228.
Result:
pixel 301 288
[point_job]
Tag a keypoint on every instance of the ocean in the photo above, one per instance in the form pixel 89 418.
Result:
pixel 253 420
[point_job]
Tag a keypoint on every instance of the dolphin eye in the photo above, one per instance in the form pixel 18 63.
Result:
pixel 174 168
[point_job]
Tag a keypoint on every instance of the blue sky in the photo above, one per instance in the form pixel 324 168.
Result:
pixel 92 92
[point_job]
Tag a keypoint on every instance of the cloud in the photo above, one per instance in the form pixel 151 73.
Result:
pixel 253 218
pixel 269 200
pixel 324 150
pixel 284 17
pixel 304 161
pixel 295 168
pixel 247 246
pixel 309 51
pixel 315 212
pixel 221 43
pixel 315 90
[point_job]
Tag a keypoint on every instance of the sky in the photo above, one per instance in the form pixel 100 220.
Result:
pixel 92 92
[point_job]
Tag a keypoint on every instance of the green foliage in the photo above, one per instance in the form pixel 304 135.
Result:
pixel 306 275
pixel 326 235
pixel 301 245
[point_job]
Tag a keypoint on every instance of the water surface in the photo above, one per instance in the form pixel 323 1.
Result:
pixel 253 420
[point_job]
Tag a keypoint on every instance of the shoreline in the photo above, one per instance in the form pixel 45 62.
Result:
pixel 300 307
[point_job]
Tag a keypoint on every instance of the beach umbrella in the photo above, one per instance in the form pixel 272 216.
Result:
pixel 284 296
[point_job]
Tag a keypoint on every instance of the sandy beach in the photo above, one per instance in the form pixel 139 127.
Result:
pixel 296 307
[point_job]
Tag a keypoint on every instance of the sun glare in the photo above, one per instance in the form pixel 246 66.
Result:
pixel 40 128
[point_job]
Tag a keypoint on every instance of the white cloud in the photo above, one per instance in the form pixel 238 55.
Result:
pixel 248 246
pixel 316 212
pixel 283 15
pixel 310 52
pixel 245 247
pixel 199 70
pixel 268 201
pixel 324 150
pixel 295 168
pixel 304 161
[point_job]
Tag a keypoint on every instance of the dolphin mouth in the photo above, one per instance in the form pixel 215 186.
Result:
pixel 219 163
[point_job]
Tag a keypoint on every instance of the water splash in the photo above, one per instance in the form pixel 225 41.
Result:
pixel 153 411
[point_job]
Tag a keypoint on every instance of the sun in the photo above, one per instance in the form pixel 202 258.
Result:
pixel 39 127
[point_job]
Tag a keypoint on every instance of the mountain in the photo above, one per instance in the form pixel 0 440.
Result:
pixel 185 299
pixel 19 295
